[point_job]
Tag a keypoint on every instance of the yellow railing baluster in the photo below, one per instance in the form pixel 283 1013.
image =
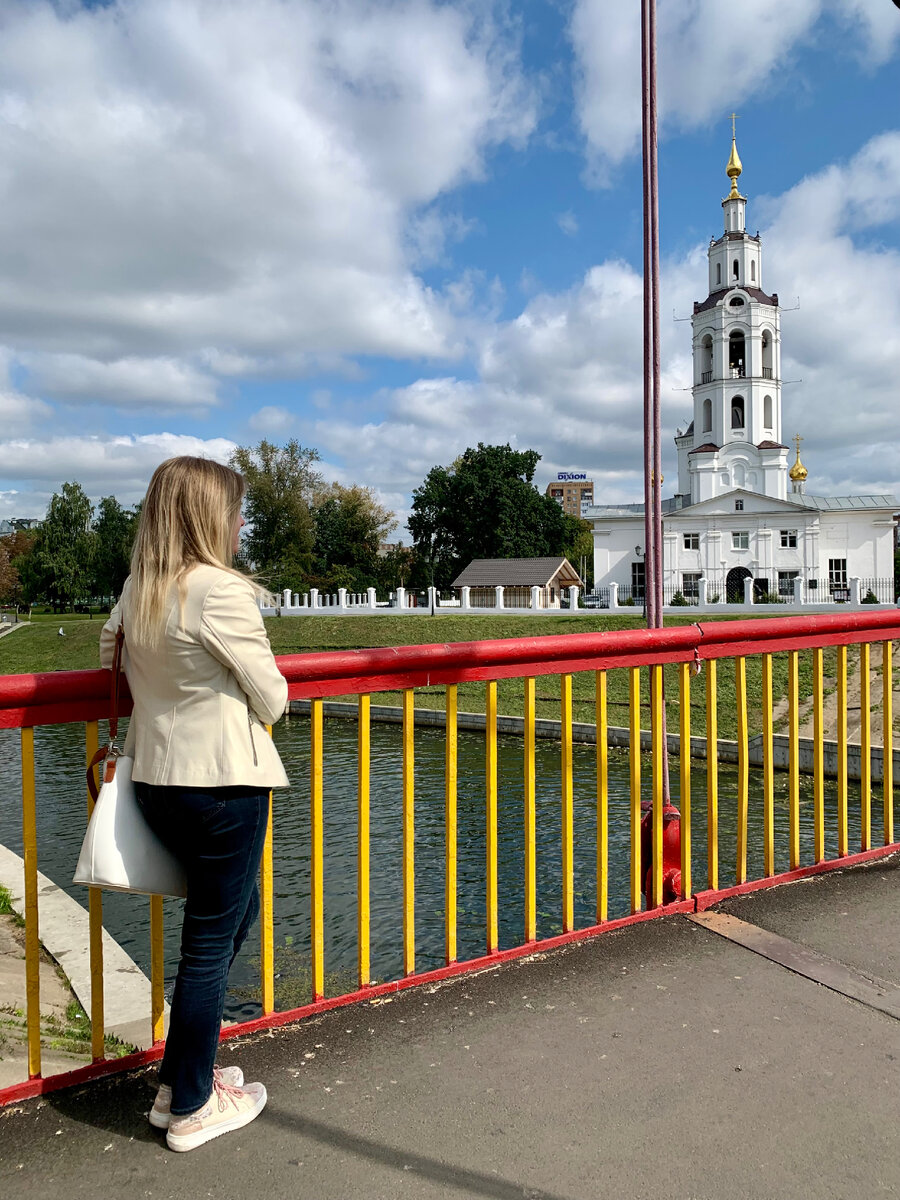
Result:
pixel 712 778
pixel 363 767
pixel 684 698
pixel 887 741
pixel 317 851
pixel 450 796
pixel 409 876
pixel 818 754
pixel 530 818
pixel 634 743
pixel 568 869
pixel 601 724
pixel 656 763
pixel 491 813
pixel 865 748
pixel 157 971
pixel 267 912
pixel 768 769
pixel 32 935
pixel 95 920
pixel 794 758
pixel 842 749
pixel 743 783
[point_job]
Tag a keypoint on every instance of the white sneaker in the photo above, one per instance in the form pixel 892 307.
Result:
pixel 227 1108
pixel 161 1112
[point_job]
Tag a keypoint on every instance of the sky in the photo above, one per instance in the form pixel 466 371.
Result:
pixel 392 230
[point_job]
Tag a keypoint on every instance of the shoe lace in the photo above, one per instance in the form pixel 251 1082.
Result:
pixel 226 1094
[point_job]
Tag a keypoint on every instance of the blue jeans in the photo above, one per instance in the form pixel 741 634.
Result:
pixel 218 834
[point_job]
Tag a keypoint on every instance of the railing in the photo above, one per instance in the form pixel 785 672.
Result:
pixel 767 373
pixel 706 377
pixel 618 682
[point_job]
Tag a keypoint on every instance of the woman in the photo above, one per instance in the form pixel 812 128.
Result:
pixel 205 685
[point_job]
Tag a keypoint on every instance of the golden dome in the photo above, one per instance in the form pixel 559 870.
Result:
pixel 733 169
pixel 798 472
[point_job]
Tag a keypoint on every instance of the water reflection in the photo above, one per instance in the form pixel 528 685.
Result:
pixel 59 753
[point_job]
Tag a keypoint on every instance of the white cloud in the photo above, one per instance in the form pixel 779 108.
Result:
pixel 568 223
pixel 271 418
pixel 159 383
pixel 240 176
pixel 704 67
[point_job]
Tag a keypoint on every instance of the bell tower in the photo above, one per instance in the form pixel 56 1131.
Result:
pixel 735 441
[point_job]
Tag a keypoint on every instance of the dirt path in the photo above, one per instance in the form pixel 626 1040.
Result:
pixel 854 710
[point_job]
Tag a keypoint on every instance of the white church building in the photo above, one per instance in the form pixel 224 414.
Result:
pixel 742 526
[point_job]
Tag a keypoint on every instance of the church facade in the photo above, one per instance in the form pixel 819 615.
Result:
pixel 740 512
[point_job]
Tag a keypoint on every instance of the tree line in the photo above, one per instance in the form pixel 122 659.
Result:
pixel 302 532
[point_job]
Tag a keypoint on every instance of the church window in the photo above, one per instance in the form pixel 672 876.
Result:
pixel 738 506
pixel 767 355
pixel 837 578
pixel 690 585
pixel 736 352
pixel 786 582
pixel 736 302
pixel 718 272
pixel 767 412
pixel 752 272
pixel 740 539
pixel 736 269
pixel 692 541
pixel 637 580
pixel 737 412
pixel 707 416
pixel 789 539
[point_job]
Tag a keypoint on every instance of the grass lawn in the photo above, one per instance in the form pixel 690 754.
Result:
pixel 40 648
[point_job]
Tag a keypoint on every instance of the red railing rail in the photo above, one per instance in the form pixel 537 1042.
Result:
pixel 62 696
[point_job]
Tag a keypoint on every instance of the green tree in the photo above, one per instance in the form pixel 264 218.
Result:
pixel 60 566
pixel 114 531
pixel 16 547
pixel 486 506
pixel 350 525
pixel 580 550
pixel 281 484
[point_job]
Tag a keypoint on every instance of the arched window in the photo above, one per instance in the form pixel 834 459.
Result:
pixel 718 272
pixel 767 355
pixel 707 416
pixel 767 412
pixel 736 269
pixel 706 359
pixel 752 271
pixel 736 349
pixel 737 413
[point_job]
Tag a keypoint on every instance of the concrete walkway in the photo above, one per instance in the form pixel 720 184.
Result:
pixel 660 1060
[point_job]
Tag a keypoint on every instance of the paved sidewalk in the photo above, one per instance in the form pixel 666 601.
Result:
pixel 661 1060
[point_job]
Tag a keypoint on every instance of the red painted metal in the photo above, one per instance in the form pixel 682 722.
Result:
pixel 671 851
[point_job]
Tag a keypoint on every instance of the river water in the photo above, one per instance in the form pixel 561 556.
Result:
pixel 59 753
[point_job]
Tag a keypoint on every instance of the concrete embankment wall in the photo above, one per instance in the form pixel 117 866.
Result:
pixel 618 736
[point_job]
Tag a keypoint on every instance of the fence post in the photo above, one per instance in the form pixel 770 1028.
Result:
pixel 798 590
pixel 401 597
pixel 313 597
pixel 613 595
pixel 464 603
pixel 573 596
pixel 535 597
pixel 748 590
pixel 371 599
pixel 433 598
pixel 342 599
pixel 702 592
pixel 286 602
pixel 498 590
pixel 295 600
pixel 854 591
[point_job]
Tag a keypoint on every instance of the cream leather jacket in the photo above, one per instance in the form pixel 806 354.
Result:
pixel 204 694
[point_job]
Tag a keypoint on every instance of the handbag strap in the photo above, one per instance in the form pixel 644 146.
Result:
pixel 110 751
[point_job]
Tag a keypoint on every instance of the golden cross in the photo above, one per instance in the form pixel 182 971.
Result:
pixel 734 117
pixel 797 439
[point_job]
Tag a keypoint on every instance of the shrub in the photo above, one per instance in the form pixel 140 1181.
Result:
pixel 679 600
pixel 870 597
pixel 629 603
pixel 713 599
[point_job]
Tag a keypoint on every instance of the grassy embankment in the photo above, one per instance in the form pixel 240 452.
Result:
pixel 40 648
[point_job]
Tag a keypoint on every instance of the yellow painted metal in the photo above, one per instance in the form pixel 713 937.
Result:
pixel 794 758
pixel 818 755
pixel 656 766
pixel 634 750
pixel 95 919
pixel 865 748
pixel 887 712
pixel 157 971
pixel 530 818
pixel 743 781
pixel 841 736
pixel 267 914
pixel 768 769
pixel 363 770
pixel 317 854
pixel 450 834
pixel 32 936
pixel 602 728
pixel 684 697
pixel 409 876
pixel 490 780
pixel 712 778
pixel 568 835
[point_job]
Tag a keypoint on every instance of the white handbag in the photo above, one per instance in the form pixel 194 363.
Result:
pixel 120 851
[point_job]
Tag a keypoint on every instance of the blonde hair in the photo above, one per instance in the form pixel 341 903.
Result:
pixel 187 518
